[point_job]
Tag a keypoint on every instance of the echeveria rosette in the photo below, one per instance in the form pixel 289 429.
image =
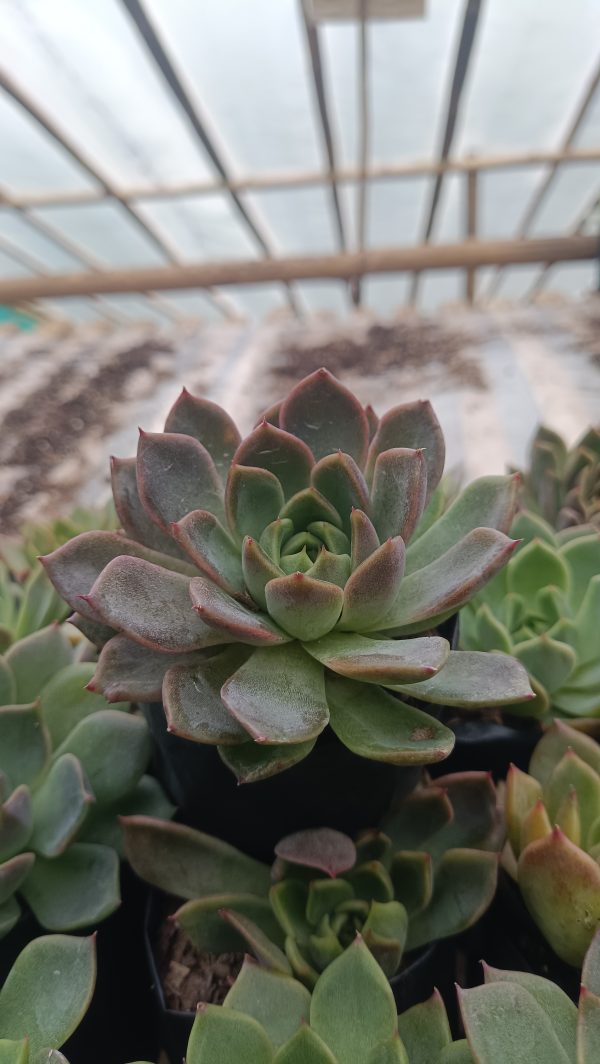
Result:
pixel 563 484
pixel 269 586
pixel 544 608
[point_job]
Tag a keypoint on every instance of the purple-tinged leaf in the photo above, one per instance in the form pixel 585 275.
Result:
pixel 378 660
pixel 231 618
pixel 209 424
pixel 430 595
pixel 152 606
pixel 278 696
pixel 253 500
pixel 12 873
pixel 132 515
pixel 75 567
pixel 129 672
pixel 372 419
pixel 373 587
pixel 282 454
pixel 175 475
pixel 212 549
pixel 192 698
pixel 412 425
pixel 474 680
pixel 97 633
pixel 271 415
pixel 488 502
pixel 251 762
pixel 258 569
pixel 364 537
pixel 304 607
pixel 399 492
pixel 16 822
pixel 334 568
pixel 327 850
pixel 309 506
pixel 339 479
pixel 374 724
pixel 327 416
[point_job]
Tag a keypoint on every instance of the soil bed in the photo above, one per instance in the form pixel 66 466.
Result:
pixel 188 976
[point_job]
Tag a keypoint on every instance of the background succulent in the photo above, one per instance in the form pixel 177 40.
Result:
pixel 284 555
pixel 544 607
pixel 67 767
pixel 563 484
pixel 429 875
pixel 44 998
pixel 553 848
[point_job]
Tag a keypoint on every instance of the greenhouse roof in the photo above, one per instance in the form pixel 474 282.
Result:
pixel 163 158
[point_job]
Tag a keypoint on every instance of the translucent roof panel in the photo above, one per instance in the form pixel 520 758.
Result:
pixel 440 286
pixel 74 309
pixel 410 64
pixel 588 134
pixel 396 211
pixel 107 231
pixel 528 68
pixel 192 304
pixel 256 300
pixel 87 64
pixel 30 160
pixel 385 294
pixel 10 267
pixel 201 227
pixel 573 278
pixel 50 256
pixel 324 296
pixel 247 65
pixel 340 58
pixel 503 197
pixel 300 220
pixel 516 282
pixel 573 187
pixel 135 308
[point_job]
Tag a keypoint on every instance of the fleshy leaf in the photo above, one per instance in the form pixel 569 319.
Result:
pixel 325 414
pixel 278 695
pixel 339 479
pixel 188 863
pixel 487 502
pixel 204 921
pixel 464 887
pixel 251 762
pixel 24 743
pixel 412 875
pixel 66 699
pixel 473 679
pixel 335 568
pixel 424 1030
pixel 583 560
pixel 133 517
pixel 558 1008
pixel 411 425
pixel 175 475
pixel 253 500
pixel 74 890
pixel 36 658
pixel 309 506
pixel 282 454
pixel 152 606
pixel 554 743
pixel 373 587
pixel 220 1036
pixel 327 850
pixel 192 698
pixel 209 424
pixel 364 537
pixel 130 671
pixel 13 873
pixel 211 548
pixel 374 724
pixel 522 793
pixel 384 661
pixel 304 1047
pixel 260 942
pixel 48 990
pixel 16 823
pixel 231 620
pixel 280 1004
pixel 504 1023
pixel 60 806
pixel 258 569
pixel 535 567
pixel 399 492
pixel 384 932
pixel 304 607
pixel 113 748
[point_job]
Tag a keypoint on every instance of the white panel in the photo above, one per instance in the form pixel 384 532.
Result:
pixel 528 72
pixel 503 196
pixel 9 267
pixel 107 232
pixel 573 278
pixel 87 64
pixel 439 287
pixel 30 160
pixel 571 191
pixel 73 309
pixel 339 53
pixel 517 281
pixel 247 64
pixel 256 300
pixel 202 227
pixel 386 294
pixel 325 295
pixel 411 63
pixel 300 220
pixel 396 210
pixel 192 303
pixel 49 255
pixel 135 308
pixel 588 135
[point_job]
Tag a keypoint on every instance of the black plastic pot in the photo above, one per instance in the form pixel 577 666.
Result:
pixel 486 746
pixel 425 970
pixel 121 1023
pixel 506 937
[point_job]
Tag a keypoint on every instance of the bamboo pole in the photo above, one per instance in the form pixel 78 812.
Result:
pixel 464 255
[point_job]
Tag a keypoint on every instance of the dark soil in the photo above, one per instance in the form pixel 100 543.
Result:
pixel 188 976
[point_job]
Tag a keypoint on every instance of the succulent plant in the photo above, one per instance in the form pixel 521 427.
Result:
pixel 429 874
pixel 270 1018
pixel 67 768
pixel 21 553
pixel 544 608
pixel 562 484
pixel 44 998
pixel 553 847
pixel 525 1019
pixel 267 589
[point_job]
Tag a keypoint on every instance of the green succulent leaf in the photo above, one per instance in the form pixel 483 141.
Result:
pixel 13 873
pixel 127 671
pixel 412 876
pixel 48 990
pixel 504 1022
pixel 262 945
pixel 279 1003
pixel 411 425
pixel 338 478
pixel 206 922
pixel 548 660
pixel 135 523
pixel 113 749
pixel 16 822
pixel 374 724
pixel 559 1009
pixel 325 414
pixel 384 932
pixel 473 680
pixel 554 744
pixel 74 890
pixel 380 661
pixel 424 1030
pixel 390 1052
pixel 192 698
pixel 60 806
pixel 211 548
pixel 304 1047
pixel 252 761
pixel 65 701
pixel 464 887
pixel 491 634
pixel 175 475
pixel 232 621
pixel 8 685
pixel 208 423
pixel 364 538
pixel 253 499
pixel 14 1052
pixel 399 492
pixel 259 569
pixel 146 799
pixel 572 774
pixel 35 659
pixel 220 1036
pixel 10 912
pixel 335 568
pixel 373 587
pixel 582 557
pixel 280 453
pixel 537 566
pixel 24 743
pixel 304 607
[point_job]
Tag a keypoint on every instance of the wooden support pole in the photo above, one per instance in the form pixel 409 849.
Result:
pixel 471 229
pixel 473 253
